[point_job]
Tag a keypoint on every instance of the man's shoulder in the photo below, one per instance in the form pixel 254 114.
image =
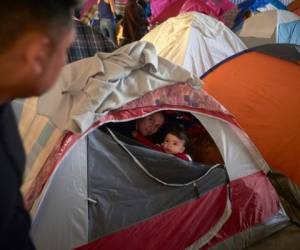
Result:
pixel 10 140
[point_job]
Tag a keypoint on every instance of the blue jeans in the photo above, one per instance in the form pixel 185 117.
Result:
pixel 107 27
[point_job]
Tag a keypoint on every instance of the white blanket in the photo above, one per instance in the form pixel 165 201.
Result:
pixel 88 88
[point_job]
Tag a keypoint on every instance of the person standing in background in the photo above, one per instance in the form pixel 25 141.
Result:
pixel 107 14
pixel 135 23
pixel 146 6
pixel 34 37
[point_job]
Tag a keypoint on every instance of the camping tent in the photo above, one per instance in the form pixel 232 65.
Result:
pixel 275 26
pixel 163 9
pixel 92 185
pixel 195 41
pixel 262 91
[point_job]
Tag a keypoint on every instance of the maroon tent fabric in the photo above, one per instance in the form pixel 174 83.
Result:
pixel 164 9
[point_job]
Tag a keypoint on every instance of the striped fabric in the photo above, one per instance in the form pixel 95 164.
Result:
pixel 39 137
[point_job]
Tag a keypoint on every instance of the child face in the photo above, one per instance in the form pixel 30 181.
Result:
pixel 150 124
pixel 172 144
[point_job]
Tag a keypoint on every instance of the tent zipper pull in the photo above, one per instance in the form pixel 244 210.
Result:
pixel 92 200
pixel 196 189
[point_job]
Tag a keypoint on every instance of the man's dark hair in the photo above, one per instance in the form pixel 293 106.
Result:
pixel 20 16
pixel 179 132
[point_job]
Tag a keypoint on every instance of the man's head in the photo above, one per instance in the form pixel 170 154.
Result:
pixel 175 141
pixel 34 36
pixel 149 125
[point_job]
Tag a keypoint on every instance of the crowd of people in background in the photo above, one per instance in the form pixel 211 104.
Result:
pixel 107 15
pixel 135 23
pixel 118 28
pixel 131 24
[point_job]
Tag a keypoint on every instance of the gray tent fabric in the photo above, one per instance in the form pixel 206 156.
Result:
pixel 262 231
pixel 287 52
pixel 116 183
pixel 157 164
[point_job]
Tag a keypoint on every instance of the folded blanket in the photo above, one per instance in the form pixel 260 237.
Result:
pixel 89 88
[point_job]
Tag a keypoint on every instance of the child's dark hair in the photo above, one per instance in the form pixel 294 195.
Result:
pixel 179 132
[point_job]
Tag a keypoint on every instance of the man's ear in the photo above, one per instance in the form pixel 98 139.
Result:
pixel 36 52
pixel 182 149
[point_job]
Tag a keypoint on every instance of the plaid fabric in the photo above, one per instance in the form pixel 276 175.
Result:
pixel 88 42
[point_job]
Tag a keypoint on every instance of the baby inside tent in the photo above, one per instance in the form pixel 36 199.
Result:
pixel 144 138
pixel 120 167
pixel 155 129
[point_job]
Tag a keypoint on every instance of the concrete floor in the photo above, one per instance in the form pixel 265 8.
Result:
pixel 285 239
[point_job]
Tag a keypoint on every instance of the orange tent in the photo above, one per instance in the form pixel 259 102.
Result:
pixel 263 92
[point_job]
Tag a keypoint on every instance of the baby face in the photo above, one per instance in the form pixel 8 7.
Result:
pixel 172 144
pixel 150 124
